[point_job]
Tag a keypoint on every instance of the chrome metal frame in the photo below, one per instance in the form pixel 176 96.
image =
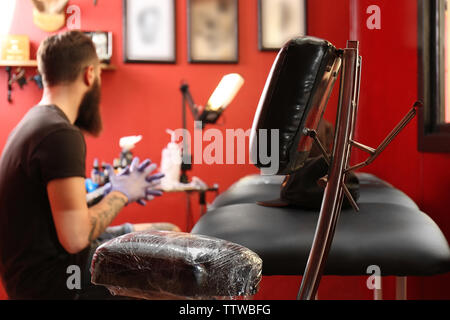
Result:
pixel 339 167
pixel 401 288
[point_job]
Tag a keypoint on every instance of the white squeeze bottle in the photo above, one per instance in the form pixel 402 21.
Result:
pixel 171 163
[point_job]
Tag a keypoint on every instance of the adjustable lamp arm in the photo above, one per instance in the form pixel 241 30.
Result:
pixel 187 97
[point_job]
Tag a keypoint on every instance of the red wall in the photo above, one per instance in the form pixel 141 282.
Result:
pixel 388 90
pixel 144 99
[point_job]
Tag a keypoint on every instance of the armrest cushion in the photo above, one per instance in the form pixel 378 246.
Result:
pixel 175 265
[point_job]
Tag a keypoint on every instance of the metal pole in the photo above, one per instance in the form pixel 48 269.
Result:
pixel 333 196
pixel 378 293
pixel 401 288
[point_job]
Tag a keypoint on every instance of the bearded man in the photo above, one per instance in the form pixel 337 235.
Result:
pixel 46 227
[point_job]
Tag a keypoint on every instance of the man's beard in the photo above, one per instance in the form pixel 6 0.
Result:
pixel 89 118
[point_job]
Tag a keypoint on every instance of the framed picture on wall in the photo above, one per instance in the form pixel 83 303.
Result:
pixel 103 44
pixel 279 21
pixel 149 31
pixel 213 31
pixel 434 76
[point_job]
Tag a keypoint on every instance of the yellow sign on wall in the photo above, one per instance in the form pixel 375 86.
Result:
pixel 15 47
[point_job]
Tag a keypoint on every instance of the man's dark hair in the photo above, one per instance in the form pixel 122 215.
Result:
pixel 63 56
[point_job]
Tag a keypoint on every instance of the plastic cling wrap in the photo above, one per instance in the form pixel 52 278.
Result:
pixel 175 265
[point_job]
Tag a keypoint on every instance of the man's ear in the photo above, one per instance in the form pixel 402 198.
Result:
pixel 89 75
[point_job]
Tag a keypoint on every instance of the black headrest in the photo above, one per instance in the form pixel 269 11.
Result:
pixel 295 95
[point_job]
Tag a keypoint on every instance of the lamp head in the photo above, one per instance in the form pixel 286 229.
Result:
pixel 222 96
pixel 225 92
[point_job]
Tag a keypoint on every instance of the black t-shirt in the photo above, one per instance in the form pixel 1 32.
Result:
pixel 43 146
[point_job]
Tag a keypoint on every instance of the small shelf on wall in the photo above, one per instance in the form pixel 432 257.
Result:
pixel 9 64
pixel 33 63
pixel 18 63
pixel 108 67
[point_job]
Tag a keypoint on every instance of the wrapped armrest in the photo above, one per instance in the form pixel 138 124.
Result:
pixel 175 265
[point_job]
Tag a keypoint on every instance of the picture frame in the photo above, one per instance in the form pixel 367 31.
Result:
pixel 149 31
pixel 213 31
pixel 103 44
pixel 279 21
pixel 433 58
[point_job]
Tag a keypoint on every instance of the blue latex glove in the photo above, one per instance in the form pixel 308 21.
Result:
pixel 135 182
pixel 90 185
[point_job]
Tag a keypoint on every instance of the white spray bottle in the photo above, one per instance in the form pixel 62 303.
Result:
pixel 171 163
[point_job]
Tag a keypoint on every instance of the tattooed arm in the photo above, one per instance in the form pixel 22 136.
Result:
pixel 76 224
pixel 103 213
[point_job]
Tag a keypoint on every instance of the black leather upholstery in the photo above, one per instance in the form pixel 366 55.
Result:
pixel 291 95
pixel 253 188
pixel 389 231
pixel 249 190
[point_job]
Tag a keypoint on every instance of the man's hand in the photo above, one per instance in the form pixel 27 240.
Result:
pixel 76 224
pixel 135 182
